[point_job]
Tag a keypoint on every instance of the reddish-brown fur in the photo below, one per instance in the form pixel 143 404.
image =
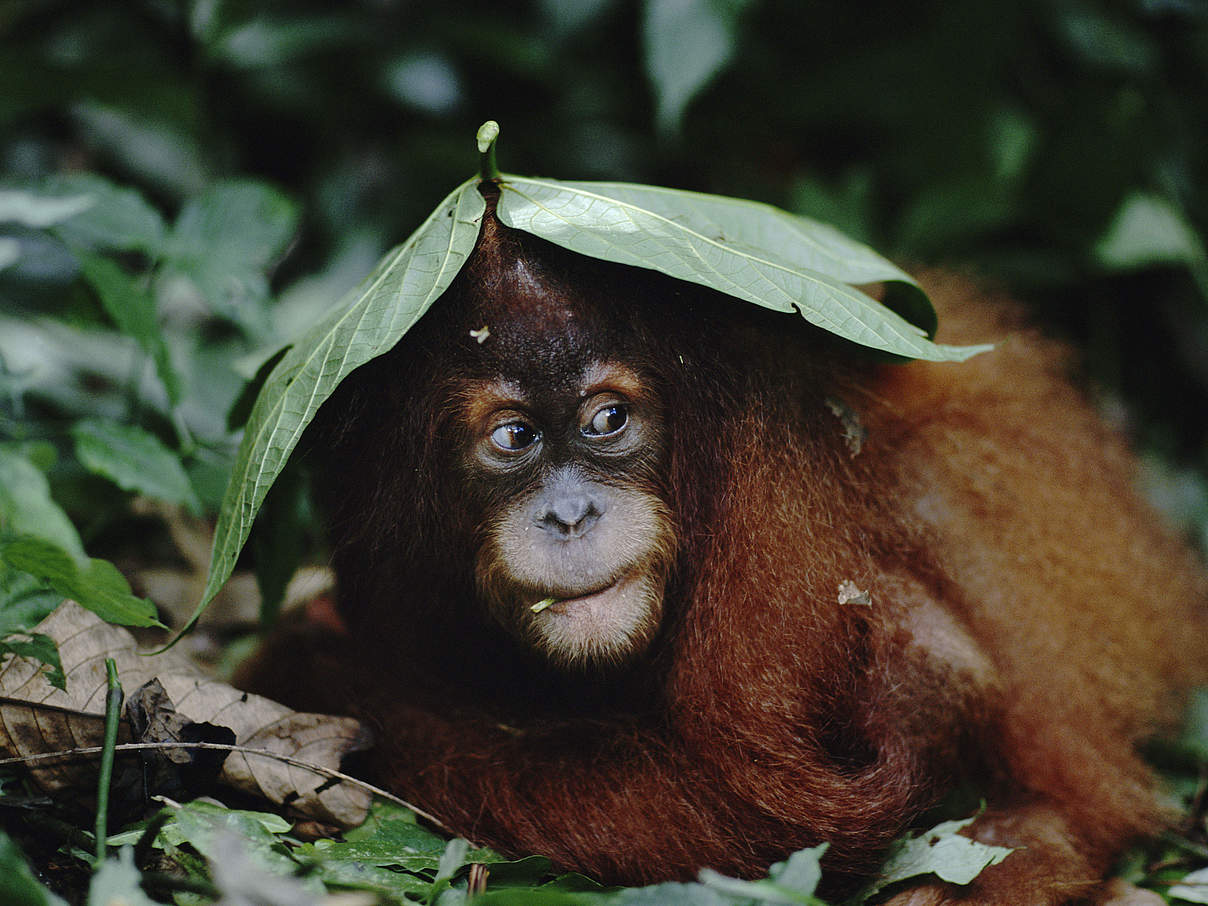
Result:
pixel 1030 618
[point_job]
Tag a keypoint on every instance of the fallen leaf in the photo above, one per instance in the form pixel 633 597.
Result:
pixel 35 718
pixel 178 773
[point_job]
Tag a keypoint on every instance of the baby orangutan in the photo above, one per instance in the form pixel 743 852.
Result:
pixel 590 561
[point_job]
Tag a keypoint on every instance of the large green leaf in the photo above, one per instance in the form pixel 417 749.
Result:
pixel 742 248
pixel 363 325
pixel 751 251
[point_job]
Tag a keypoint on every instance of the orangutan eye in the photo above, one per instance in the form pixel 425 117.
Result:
pixel 607 420
pixel 514 436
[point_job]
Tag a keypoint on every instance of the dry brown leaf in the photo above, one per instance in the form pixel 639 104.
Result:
pixel 40 718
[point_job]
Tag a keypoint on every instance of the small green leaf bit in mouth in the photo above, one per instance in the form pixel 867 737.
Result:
pixel 542 604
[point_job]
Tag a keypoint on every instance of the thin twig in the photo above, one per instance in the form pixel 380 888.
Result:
pixel 87 751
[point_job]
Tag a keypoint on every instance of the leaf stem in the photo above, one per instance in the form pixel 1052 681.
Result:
pixel 488 132
pixel 113 708
pixel 146 840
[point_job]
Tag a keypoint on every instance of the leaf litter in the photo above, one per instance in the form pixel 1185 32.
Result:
pixel 37 718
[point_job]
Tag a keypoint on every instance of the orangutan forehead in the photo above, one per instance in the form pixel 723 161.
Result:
pixel 478 399
pixel 528 301
pixel 527 325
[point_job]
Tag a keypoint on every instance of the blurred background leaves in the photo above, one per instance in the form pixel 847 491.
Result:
pixel 186 185
pixel 236 166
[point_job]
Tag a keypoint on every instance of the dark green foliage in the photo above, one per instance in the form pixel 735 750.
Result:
pixel 1009 137
pixel 185 186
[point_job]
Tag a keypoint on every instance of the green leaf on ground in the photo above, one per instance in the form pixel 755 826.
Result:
pixel 203 825
pixel 398 844
pixel 118 881
pixel 791 882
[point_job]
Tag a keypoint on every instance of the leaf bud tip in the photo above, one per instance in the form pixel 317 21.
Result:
pixel 487 133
